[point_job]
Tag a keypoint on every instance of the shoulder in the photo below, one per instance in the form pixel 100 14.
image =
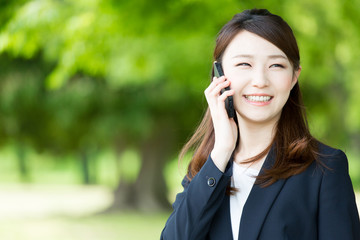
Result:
pixel 326 150
pixel 337 214
pixel 335 179
pixel 334 171
pixel 331 158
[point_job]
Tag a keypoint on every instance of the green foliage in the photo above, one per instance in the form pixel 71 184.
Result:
pixel 86 74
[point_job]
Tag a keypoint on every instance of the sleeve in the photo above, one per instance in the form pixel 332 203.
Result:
pixel 195 207
pixel 338 215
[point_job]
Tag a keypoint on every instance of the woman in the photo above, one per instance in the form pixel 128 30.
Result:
pixel 261 175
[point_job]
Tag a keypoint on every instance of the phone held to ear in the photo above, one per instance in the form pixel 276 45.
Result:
pixel 229 105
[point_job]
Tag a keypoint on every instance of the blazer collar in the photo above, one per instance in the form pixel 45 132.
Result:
pixel 259 203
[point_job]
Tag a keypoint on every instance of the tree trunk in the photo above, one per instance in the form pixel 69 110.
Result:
pixel 149 192
pixel 22 164
pixel 150 187
pixel 84 161
pixel 124 194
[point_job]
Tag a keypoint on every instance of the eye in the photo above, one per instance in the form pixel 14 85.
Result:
pixel 243 64
pixel 276 65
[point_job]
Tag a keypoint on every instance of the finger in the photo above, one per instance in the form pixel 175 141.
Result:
pixel 216 81
pixel 226 94
pixel 219 87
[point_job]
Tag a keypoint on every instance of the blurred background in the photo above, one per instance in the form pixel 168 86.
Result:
pixel 97 97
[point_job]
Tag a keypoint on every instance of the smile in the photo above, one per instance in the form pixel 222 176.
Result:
pixel 253 98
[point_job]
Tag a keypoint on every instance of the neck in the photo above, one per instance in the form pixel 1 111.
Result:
pixel 254 138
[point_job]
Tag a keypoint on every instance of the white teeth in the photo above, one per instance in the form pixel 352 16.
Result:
pixel 258 98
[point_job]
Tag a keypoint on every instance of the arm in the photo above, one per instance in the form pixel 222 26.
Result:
pixel 196 206
pixel 338 215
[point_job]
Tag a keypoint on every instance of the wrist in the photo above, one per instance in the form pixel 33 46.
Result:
pixel 220 158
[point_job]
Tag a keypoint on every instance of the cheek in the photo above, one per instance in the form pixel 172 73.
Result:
pixel 283 83
pixel 237 85
pixel 238 80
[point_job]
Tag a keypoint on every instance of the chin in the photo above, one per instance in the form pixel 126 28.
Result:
pixel 259 118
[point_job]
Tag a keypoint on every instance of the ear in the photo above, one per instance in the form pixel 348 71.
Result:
pixel 295 77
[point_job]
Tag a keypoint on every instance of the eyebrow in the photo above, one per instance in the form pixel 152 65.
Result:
pixel 251 56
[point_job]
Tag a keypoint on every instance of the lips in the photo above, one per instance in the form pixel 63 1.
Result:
pixel 258 98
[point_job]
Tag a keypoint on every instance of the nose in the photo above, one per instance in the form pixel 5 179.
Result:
pixel 259 78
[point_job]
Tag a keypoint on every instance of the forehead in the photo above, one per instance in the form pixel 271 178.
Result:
pixel 249 44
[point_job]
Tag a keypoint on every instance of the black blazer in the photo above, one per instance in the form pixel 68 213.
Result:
pixel 317 204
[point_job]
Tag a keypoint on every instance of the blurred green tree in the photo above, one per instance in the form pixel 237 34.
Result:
pixel 132 73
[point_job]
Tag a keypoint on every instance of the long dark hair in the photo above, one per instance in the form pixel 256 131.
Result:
pixel 293 144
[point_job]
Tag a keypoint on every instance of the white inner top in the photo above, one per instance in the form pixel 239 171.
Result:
pixel 243 179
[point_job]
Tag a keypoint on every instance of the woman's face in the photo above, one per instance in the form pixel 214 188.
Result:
pixel 261 75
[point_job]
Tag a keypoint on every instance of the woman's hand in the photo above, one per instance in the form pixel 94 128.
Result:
pixel 225 128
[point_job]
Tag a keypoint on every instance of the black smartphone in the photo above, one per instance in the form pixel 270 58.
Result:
pixel 229 104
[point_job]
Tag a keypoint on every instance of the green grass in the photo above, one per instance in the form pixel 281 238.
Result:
pixel 70 212
pixel 117 226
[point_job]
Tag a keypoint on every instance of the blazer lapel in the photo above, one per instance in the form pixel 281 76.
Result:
pixel 258 204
